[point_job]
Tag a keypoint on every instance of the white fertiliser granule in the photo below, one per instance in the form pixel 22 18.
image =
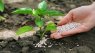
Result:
pixel 60 29
pixel 42 42
pixel 67 27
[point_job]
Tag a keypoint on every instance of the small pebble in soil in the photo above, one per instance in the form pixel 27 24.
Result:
pixel 78 45
pixel 50 46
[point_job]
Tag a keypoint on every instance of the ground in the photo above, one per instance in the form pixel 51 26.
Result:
pixel 79 43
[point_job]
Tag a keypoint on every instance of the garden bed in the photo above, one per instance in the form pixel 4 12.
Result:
pixel 79 43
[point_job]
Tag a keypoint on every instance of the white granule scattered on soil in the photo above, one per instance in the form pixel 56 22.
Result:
pixel 42 42
pixel 50 45
pixel 60 29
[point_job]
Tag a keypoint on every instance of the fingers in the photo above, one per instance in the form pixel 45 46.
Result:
pixel 66 19
pixel 56 36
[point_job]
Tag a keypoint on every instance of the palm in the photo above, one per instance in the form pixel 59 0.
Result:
pixel 83 15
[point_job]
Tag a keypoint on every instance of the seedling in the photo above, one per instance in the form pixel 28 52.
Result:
pixel 41 14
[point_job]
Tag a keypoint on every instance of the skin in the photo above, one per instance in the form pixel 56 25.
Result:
pixel 85 15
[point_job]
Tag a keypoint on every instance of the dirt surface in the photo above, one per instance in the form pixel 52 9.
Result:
pixel 79 43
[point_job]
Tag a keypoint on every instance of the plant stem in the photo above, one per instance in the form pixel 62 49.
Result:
pixel 43 34
pixel 40 30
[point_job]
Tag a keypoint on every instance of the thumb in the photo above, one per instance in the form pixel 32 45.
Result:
pixel 66 19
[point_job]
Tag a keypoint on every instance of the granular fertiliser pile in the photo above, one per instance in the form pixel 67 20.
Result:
pixel 60 29
pixel 67 27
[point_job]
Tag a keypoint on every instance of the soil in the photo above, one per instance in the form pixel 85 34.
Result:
pixel 79 43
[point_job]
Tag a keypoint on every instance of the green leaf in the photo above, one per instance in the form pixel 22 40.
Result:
pixel 24 29
pixel 39 22
pixel 35 12
pixel 1 6
pixel 40 12
pixel 2 18
pixel 42 5
pixel 53 13
pixel 23 11
pixel 51 26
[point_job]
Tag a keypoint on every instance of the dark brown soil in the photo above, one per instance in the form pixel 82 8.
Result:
pixel 79 43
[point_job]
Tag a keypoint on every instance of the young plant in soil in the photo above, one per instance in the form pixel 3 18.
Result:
pixel 42 15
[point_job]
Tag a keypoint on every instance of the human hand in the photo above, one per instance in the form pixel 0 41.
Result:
pixel 84 15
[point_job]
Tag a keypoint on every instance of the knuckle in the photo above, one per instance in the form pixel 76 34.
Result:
pixel 71 11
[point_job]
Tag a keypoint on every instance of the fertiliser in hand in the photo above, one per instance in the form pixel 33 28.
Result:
pixel 67 27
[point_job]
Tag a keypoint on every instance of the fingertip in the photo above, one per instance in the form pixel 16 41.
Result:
pixel 56 36
pixel 51 36
pixel 66 19
pixel 59 23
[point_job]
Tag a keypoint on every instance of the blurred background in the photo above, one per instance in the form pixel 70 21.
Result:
pixel 63 5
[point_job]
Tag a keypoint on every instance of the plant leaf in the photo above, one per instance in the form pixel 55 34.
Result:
pixel 23 11
pixel 42 5
pixel 1 6
pixel 2 18
pixel 39 22
pixel 24 29
pixel 51 26
pixel 53 13
pixel 35 12
pixel 40 12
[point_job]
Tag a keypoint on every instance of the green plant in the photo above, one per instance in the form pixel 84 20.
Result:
pixel 24 29
pixel 41 14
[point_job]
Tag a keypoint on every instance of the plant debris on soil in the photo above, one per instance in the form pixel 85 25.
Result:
pixel 79 43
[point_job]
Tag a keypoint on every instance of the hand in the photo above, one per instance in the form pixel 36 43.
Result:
pixel 84 15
